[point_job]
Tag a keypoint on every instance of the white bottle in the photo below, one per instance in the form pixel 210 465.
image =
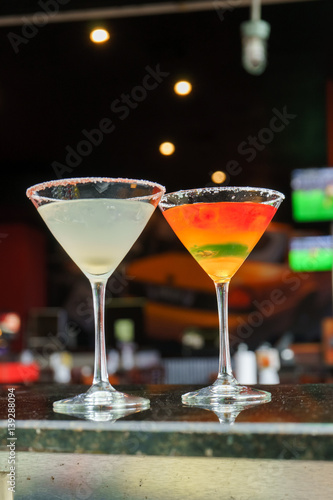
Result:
pixel 245 365
pixel 268 360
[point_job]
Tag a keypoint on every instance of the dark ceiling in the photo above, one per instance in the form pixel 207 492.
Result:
pixel 55 84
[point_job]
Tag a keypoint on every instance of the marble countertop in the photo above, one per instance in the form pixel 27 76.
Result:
pixel 297 424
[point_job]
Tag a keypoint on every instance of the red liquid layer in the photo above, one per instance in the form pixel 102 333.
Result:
pixel 220 235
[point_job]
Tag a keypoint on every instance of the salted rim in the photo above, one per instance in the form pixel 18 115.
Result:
pixel 31 192
pixel 183 192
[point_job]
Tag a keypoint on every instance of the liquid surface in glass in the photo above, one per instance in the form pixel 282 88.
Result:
pixel 220 235
pixel 96 233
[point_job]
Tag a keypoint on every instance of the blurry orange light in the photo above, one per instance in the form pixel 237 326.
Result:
pixel 182 87
pixel 99 35
pixel 218 177
pixel 167 148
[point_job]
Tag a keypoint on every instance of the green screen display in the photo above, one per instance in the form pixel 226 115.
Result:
pixel 312 196
pixel 313 253
pixel 314 205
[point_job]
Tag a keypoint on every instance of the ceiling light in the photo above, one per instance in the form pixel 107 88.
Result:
pixel 99 35
pixel 218 177
pixel 182 87
pixel 255 34
pixel 167 148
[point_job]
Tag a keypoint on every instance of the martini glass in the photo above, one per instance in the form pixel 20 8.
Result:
pixel 97 220
pixel 219 226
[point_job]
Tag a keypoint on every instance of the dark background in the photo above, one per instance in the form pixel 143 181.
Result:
pixel 59 83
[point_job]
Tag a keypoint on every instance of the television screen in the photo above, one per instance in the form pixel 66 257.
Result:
pixel 312 196
pixel 311 253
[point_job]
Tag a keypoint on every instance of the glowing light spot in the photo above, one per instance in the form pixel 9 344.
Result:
pixel 167 148
pixel 182 88
pixel 99 35
pixel 218 177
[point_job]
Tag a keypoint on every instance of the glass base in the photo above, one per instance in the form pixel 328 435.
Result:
pixel 100 415
pixel 225 391
pixel 101 398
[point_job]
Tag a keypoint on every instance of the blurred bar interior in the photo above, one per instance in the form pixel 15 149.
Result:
pixel 168 96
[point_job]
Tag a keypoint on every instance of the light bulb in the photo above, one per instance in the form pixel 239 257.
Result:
pixel 254 43
pixel 167 148
pixel 182 87
pixel 99 35
pixel 218 177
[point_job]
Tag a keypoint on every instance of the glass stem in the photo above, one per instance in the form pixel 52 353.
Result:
pixel 100 368
pixel 225 370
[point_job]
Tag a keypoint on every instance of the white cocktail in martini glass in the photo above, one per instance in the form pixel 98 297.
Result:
pixel 97 220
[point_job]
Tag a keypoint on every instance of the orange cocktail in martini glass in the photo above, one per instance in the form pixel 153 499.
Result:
pixel 219 227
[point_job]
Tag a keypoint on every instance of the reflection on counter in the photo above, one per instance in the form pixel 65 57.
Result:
pixel 228 413
pixel 309 404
